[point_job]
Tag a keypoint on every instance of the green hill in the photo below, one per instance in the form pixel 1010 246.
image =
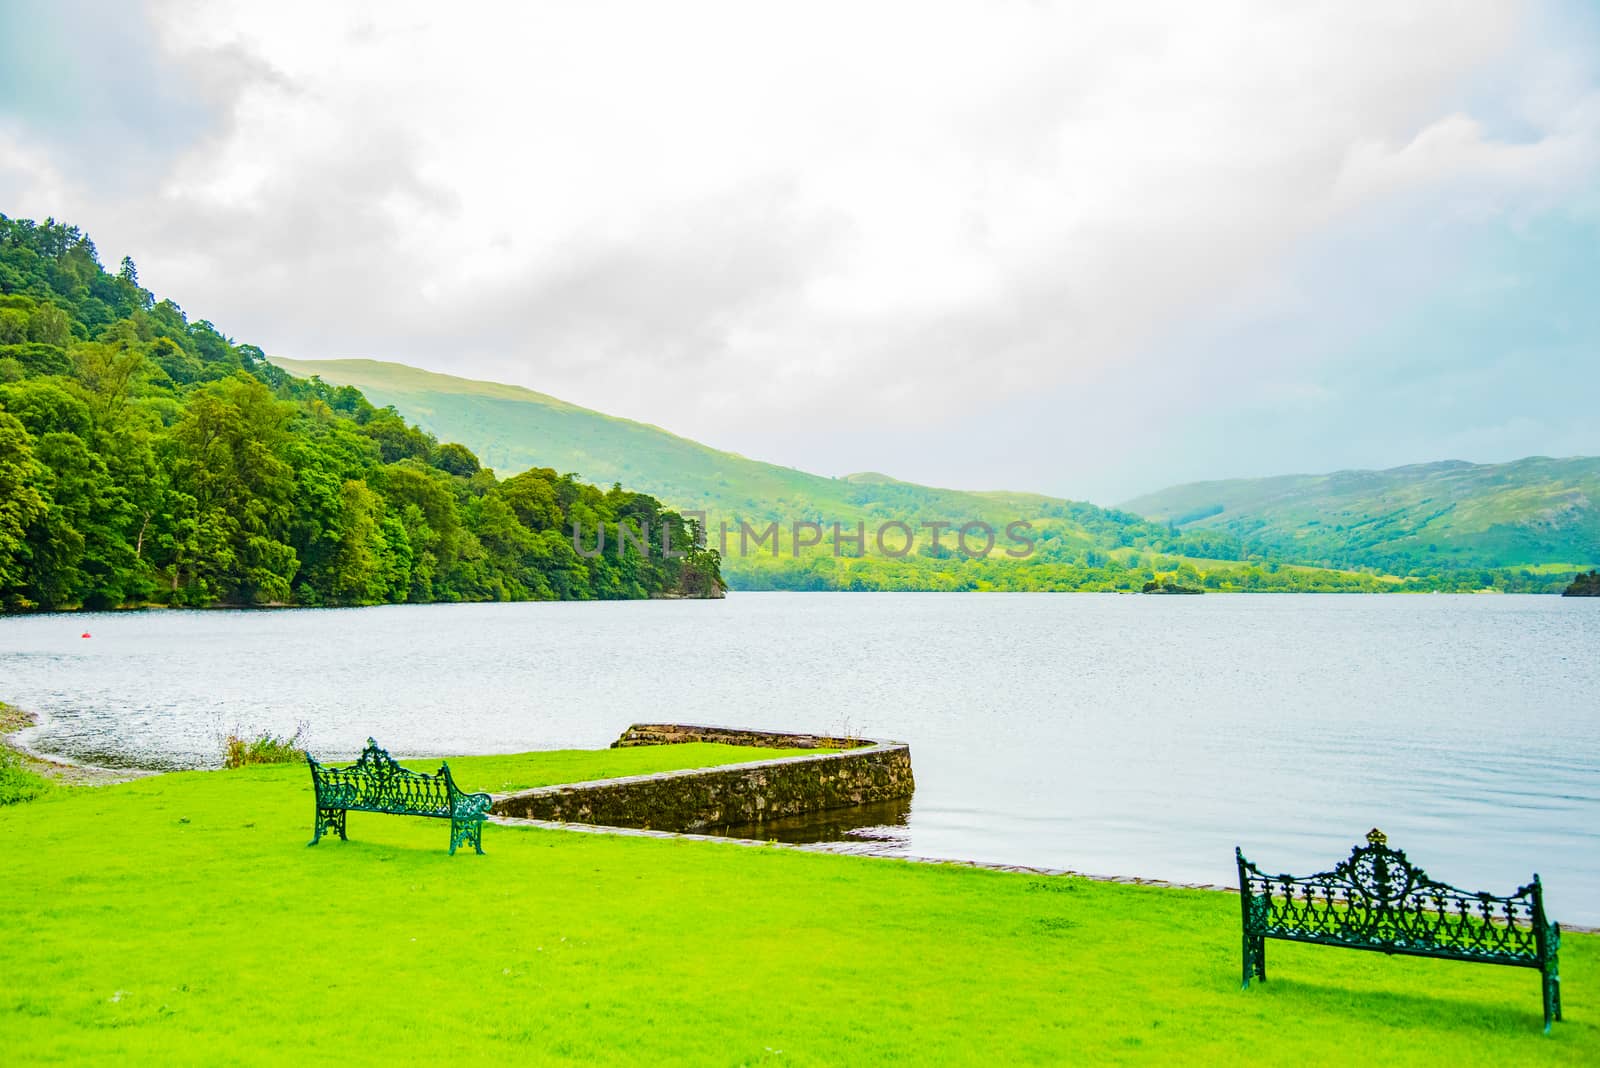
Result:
pixel 511 428
pixel 1076 545
pixel 1538 513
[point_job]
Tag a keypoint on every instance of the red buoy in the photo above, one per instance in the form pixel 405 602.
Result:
pixel 85 634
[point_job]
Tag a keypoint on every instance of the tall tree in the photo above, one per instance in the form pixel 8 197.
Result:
pixel 21 504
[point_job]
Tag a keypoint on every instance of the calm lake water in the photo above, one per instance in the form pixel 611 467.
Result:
pixel 1102 733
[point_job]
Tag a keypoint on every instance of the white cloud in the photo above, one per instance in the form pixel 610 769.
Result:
pixel 29 181
pixel 1457 148
pixel 736 220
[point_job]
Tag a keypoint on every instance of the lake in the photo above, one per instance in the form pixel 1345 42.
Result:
pixel 1101 733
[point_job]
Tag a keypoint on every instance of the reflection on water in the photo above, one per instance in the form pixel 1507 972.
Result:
pixel 884 823
pixel 1126 735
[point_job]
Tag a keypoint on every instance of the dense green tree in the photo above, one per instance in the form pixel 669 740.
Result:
pixel 456 459
pixel 149 458
pixel 49 325
pixel 396 440
pixel 1585 584
pixel 229 465
pixel 21 506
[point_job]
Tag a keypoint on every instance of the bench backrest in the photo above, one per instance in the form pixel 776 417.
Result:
pixel 1379 898
pixel 377 782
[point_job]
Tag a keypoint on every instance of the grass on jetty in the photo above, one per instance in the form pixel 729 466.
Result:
pixel 524 771
pixel 181 919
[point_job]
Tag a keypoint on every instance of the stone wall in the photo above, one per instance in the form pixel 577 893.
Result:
pixel 729 795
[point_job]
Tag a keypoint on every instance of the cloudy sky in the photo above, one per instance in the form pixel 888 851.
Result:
pixel 1057 247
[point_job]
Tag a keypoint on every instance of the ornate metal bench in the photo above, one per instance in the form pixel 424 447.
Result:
pixel 375 783
pixel 1379 900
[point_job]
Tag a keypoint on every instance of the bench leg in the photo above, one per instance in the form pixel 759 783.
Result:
pixel 1551 983
pixel 328 819
pixel 466 832
pixel 1255 959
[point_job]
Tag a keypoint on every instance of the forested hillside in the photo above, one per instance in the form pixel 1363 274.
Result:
pixel 1077 546
pixel 1538 514
pixel 147 458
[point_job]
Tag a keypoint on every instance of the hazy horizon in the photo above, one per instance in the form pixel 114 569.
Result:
pixel 998 487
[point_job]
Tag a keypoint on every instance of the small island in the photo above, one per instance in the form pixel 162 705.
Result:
pixel 1584 585
pixel 1168 586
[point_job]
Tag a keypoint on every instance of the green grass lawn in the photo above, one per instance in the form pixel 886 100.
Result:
pixel 181 919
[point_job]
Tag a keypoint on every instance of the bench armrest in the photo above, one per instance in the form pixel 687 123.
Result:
pixel 472 806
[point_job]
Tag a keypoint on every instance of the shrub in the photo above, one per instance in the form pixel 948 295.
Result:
pixel 239 750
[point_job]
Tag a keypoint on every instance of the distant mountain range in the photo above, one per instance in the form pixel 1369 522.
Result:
pixel 511 429
pixel 1538 513
pixel 1233 534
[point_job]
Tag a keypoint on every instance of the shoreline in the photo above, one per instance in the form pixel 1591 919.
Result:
pixel 863 849
pixel 274 607
pixel 878 852
pixel 57 770
pixel 64 771
pixel 15 721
